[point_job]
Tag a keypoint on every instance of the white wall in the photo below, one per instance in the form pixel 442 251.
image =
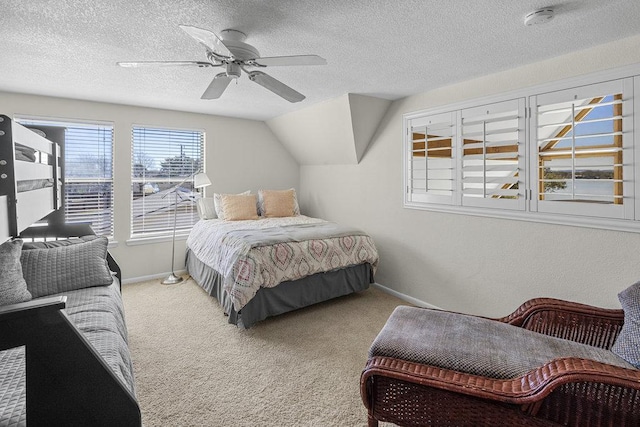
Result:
pixel 239 155
pixel 472 264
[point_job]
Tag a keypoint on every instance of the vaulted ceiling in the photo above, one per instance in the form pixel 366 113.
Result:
pixel 380 48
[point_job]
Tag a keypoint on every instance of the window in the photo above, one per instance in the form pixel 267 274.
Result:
pixel 564 155
pixel 471 157
pixel 493 155
pixel 163 164
pixel 88 170
pixel 431 159
pixel 582 148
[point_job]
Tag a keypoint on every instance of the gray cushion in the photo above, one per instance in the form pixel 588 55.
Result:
pixel 98 313
pixel 64 268
pixel 627 344
pixel 475 345
pixel 13 402
pixel 13 288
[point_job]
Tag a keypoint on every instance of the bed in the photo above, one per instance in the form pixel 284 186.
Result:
pixel 30 177
pixel 269 266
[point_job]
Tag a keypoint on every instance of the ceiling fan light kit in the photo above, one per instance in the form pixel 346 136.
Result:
pixel 231 51
pixel 538 17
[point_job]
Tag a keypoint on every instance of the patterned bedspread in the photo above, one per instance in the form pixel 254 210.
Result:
pixel 268 251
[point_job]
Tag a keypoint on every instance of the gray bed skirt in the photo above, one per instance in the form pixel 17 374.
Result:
pixel 285 297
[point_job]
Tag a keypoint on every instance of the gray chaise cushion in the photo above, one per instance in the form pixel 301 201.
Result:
pixel 13 288
pixel 475 345
pixel 74 266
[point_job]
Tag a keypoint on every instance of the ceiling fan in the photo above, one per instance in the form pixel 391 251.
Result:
pixel 231 52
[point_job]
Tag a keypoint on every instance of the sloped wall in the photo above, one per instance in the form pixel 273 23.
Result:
pixel 334 132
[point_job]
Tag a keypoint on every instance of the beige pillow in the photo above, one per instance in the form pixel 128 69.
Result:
pixel 296 208
pixel 277 203
pixel 217 202
pixel 239 207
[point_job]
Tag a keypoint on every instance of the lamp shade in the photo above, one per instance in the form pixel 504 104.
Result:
pixel 201 180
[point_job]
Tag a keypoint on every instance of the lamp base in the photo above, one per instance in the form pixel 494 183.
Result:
pixel 172 279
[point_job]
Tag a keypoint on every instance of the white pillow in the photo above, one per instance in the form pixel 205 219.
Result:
pixel 206 208
pixel 217 202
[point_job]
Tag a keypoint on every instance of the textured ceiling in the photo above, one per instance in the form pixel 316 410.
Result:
pixel 388 49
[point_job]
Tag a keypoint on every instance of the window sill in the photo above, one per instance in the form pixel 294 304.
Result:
pixel 146 240
pixel 546 218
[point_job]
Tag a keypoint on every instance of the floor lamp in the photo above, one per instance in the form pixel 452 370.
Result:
pixel 200 180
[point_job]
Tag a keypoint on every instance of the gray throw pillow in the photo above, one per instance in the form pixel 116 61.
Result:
pixel 66 268
pixel 58 243
pixel 627 345
pixel 13 288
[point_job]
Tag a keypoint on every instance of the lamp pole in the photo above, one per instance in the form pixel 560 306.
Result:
pixel 200 180
pixel 172 279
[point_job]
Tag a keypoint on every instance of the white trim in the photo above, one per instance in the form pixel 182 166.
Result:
pixel 145 240
pixel 404 297
pixel 156 276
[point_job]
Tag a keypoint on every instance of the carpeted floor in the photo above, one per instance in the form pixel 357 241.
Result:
pixel 303 368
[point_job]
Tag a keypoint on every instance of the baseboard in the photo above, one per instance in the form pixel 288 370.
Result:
pixel 183 273
pixel 160 276
pixel 404 297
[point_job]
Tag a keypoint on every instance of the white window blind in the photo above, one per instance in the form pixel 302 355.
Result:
pixel 163 164
pixel 88 172
pixel 493 155
pixel 431 172
pixel 583 151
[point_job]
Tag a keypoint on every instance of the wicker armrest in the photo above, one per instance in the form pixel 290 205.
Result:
pixel 582 323
pixel 525 389
pixel 524 400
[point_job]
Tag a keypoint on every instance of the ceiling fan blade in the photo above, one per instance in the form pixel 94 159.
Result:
pixel 164 64
pixel 209 39
pixel 291 60
pixel 217 86
pixel 275 86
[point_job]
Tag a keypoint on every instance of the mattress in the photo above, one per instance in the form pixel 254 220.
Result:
pixel 255 254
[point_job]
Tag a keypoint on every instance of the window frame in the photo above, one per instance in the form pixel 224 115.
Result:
pixel 530 212
pixel 613 211
pixel 68 181
pixel 167 233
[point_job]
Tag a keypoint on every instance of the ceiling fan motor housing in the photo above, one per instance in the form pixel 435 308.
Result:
pixel 233 70
pixel 234 41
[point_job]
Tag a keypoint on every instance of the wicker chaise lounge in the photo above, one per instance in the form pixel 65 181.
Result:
pixel 548 363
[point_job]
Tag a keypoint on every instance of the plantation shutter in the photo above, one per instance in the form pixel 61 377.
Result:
pixel 583 150
pixel 493 155
pixel 430 172
pixel 164 162
pixel 88 172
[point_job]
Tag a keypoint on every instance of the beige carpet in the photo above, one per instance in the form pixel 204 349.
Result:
pixel 303 368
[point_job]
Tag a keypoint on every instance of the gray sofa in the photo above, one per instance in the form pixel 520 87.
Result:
pixel 71 336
